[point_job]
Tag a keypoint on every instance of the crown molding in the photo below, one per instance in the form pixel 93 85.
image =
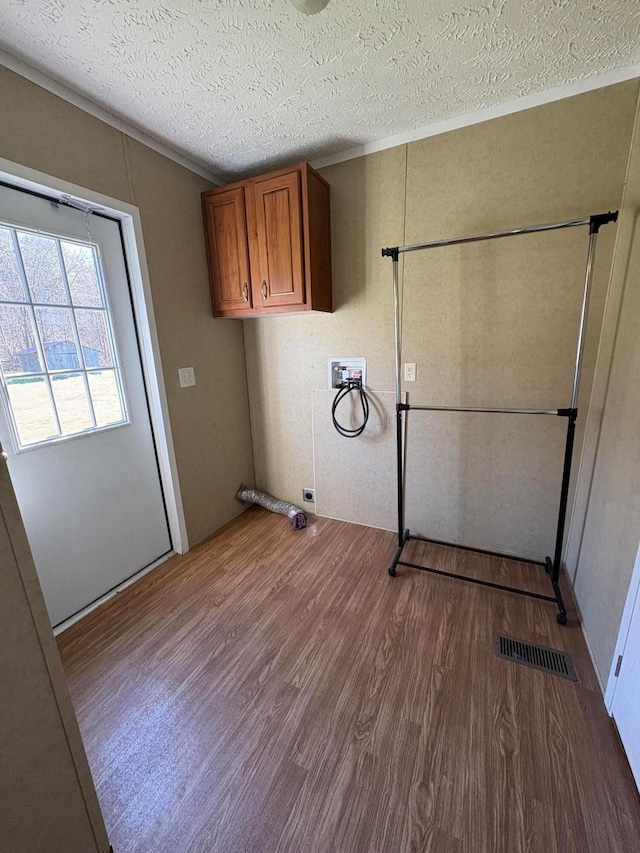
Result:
pixel 62 91
pixel 536 99
pixel 526 102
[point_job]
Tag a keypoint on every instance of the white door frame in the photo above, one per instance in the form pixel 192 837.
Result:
pixel 23 177
pixel 632 599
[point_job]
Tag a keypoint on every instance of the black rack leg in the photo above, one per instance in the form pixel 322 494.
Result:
pixel 398 554
pixel 400 477
pixel 562 610
pixel 403 534
pixel 553 568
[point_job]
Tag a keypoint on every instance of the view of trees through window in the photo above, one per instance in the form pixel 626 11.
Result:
pixel 57 361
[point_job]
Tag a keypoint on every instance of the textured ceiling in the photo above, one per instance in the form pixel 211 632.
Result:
pixel 244 84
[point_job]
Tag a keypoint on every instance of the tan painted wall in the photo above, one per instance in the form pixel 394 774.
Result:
pixel 491 324
pixel 46 790
pixel 612 529
pixel 210 422
pixel 287 355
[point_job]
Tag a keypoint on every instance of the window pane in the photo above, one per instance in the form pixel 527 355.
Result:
pixel 18 353
pixel 10 281
pixel 105 397
pixel 56 333
pixel 94 338
pixel 31 409
pixel 80 264
pixel 42 266
pixel 72 406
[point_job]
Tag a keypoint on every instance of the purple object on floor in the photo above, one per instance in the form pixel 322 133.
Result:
pixel 297 517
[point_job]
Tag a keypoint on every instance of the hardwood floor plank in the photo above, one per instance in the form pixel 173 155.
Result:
pixel 275 691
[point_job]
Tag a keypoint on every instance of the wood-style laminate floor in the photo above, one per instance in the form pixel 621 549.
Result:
pixel 274 691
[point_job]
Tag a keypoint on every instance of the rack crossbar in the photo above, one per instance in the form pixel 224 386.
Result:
pixel 517 559
pixel 495 235
pixel 410 407
pixel 477 581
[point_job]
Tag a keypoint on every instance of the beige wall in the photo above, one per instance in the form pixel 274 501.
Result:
pixel 210 422
pixel 287 355
pixel 46 790
pixel 492 323
pixel 612 530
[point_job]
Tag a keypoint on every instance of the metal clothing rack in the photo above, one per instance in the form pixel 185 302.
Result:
pixel 552 567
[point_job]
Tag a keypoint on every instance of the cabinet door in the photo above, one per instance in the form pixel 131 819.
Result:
pixel 278 212
pixel 228 251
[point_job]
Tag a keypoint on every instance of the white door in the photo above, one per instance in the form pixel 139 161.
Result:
pixel 74 419
pixel 626 699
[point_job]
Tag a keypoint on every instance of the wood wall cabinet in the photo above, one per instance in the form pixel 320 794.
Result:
pixel 269 244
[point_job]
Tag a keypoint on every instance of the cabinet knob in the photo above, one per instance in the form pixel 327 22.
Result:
pixel 245 292
pixel 264 289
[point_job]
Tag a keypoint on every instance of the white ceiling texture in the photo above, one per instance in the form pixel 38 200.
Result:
pixel 243 85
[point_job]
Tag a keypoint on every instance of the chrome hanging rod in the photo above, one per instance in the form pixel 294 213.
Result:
pixel 557 412
pixel 597 221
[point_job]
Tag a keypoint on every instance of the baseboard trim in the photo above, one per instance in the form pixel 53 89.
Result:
pixel 593 660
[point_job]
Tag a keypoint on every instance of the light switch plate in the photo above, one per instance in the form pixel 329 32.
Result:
pixel 410 372
pixel 187 376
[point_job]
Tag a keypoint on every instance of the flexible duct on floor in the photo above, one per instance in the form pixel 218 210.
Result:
pixel 297 517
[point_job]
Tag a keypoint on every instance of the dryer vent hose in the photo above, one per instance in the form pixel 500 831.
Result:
pixel 297 517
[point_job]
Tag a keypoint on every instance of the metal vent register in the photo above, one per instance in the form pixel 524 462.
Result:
pixel 539 657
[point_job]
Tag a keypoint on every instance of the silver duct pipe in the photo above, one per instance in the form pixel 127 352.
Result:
pixel 297 516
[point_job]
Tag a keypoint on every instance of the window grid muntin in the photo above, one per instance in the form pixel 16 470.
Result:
pixel 20 265
pixel 102 291
pixel 31 306
pixel 46 372
pixel 76 333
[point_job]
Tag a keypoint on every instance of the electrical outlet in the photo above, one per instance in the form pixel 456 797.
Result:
pixel 309 495
pixel 410 372
pixel 187 376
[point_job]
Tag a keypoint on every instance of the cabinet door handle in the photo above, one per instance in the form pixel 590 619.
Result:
pixel 245 292
pixel 264 289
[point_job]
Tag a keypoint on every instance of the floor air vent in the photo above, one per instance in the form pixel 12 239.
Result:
pixel 539 657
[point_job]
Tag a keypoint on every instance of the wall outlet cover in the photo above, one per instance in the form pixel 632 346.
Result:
pixel 309 495
pixel 410 371
pixel 187 377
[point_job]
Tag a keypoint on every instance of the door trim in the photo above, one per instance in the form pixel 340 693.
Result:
pixel 22 177
pixel 633 600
